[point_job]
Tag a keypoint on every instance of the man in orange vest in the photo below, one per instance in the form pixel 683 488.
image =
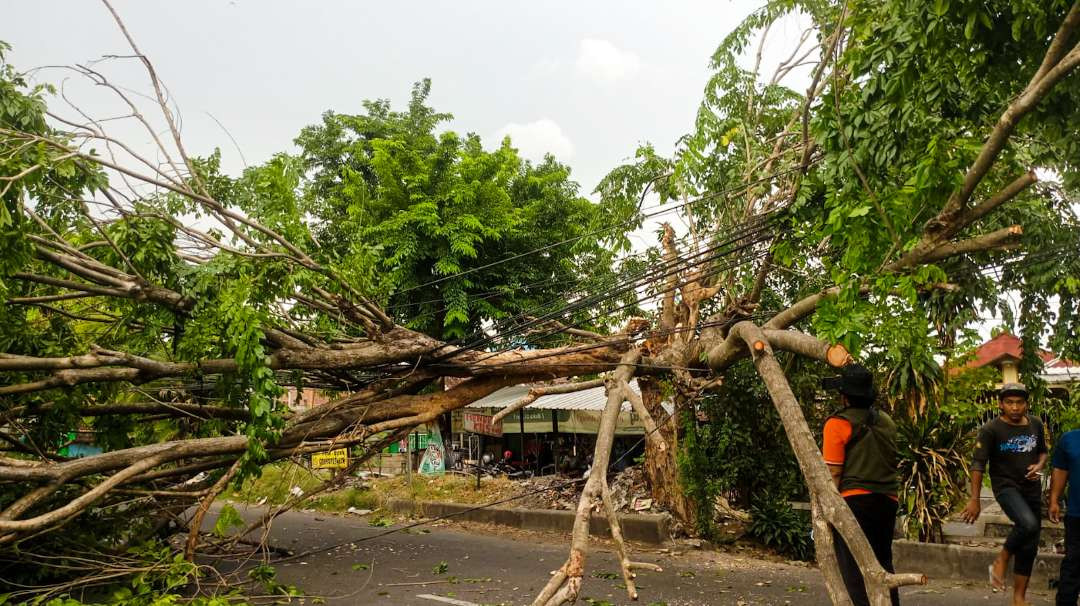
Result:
pixel 859 447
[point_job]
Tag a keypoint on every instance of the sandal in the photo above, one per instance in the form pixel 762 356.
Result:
pixel 996 583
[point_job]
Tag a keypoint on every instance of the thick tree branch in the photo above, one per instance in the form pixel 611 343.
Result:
pixel 566 583
pixel 833 509
pixel 544 390
pixel 1055 66
pixel 1006 194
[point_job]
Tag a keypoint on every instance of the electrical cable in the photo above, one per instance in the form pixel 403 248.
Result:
pixel 722 192
pixel 648 275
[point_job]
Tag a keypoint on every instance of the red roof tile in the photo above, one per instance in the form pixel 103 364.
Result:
pixel 1006 346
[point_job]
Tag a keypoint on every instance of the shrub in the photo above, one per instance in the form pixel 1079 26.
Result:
pixel 932 455
pixel 779 526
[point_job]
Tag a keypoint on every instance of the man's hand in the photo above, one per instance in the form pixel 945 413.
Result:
pixel 971 512
pixel 1054 512
pixel 1033 471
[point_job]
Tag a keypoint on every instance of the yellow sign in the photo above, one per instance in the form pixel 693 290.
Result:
pixel 335 459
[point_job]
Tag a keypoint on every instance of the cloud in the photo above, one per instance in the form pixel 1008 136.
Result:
pixel 603 61
pixel 547 66
pixel 535 139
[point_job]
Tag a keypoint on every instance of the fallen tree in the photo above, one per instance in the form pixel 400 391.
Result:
pixel 173 302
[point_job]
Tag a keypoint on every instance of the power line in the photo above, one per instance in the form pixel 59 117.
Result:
pixel 722 192
pixel 752 230
pixel 554 280
pixel 591 301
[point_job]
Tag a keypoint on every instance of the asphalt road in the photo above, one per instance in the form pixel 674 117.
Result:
pixel 470 565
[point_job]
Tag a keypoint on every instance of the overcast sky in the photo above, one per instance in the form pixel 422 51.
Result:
pixel 587 81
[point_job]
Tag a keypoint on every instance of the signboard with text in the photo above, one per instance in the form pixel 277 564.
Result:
pixel 477 422
pixel 335 459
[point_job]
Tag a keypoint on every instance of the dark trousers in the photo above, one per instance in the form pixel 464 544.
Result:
pixel 1025 511
pixel 876 514
pixel 1069 579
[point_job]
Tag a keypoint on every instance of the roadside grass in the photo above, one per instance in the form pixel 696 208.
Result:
pixel 450 488
pixel 279 479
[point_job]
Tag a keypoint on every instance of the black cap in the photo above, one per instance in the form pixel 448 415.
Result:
pixel 1013 389
pixel 854 380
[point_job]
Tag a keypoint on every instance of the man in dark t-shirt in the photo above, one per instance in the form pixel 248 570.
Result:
pixel 1014 445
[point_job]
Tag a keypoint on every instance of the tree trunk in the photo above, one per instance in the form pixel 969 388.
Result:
pixel 661 465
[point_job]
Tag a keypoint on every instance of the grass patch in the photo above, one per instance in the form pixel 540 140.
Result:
pixel 277 481
pixel 450 488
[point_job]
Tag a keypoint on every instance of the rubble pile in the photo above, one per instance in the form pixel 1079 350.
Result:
pixel 629 492
pixel 547 492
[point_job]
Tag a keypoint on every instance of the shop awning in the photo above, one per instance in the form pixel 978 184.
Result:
pixel 587 399
pixel 577 412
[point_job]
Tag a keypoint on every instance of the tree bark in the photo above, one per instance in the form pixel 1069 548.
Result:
pixel 661 463
pixel 833 511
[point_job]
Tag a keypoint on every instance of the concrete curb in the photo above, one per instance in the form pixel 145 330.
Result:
pixel 645 528
pixel 943 561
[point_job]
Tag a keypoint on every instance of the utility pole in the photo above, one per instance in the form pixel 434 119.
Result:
pixel 408 460
pixel 479 458
pixel 521 426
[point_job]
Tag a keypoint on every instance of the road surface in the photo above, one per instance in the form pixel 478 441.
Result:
pixel 469 565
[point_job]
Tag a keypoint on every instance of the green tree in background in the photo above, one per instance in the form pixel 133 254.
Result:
pixel 416 213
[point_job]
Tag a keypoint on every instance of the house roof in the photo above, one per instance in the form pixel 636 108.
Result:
pixel 1008 347
pixel 587 399
pixel 1001 348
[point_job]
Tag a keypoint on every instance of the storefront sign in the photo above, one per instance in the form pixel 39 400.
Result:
pixel 475 422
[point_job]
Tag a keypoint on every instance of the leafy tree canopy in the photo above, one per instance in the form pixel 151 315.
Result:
pixel 417 213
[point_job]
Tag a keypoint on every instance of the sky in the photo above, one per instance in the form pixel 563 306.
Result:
pixel 587 81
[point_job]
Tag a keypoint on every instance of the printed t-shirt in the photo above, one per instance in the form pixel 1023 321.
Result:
pixel 1010 450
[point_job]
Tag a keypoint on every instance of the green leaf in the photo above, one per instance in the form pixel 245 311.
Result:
pixel 228 518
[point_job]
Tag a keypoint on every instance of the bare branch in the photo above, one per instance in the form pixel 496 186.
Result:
pixel 544 390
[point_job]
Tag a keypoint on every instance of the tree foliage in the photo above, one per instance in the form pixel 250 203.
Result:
pixel 418 215
pixel 166 304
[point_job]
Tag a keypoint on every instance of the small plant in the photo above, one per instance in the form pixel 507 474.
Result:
pixel 933 453
pixel 380 522
pixel 360 566
pixel 228 518
pixel 263 573
pixel 603 574
pixel 440 568
pixel 777 525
